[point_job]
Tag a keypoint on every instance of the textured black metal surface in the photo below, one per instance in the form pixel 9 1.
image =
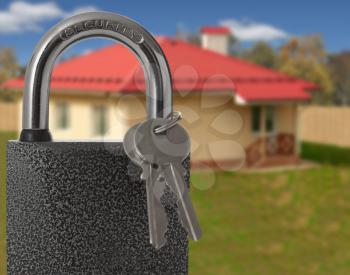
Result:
pixel 80 208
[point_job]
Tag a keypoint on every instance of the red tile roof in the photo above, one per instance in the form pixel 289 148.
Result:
pixel 114 69
pixel 215 30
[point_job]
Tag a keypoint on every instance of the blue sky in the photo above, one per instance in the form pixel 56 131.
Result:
pixel 22 23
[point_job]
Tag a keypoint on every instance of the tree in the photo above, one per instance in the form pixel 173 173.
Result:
pixel 306 58
pixel 8 64
pixel 183 34
pixel 262 54
pixel 8 68
pixel 339 66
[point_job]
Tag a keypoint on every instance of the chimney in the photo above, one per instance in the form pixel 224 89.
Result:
pixel 215 38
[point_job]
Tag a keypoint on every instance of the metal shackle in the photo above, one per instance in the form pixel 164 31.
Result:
pixel 82 26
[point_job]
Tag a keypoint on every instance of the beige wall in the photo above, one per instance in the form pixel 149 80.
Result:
pixel 328 125
pixel 219 129
pixel 81 117
pixel 217 126
pixel 9 116
pixel 287 118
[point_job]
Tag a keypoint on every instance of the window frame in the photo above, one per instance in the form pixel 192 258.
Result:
pixel 270 110
pixel 100 125
pixel 253 123
pixel 62 115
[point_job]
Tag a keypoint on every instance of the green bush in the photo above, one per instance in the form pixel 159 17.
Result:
pixel 325 153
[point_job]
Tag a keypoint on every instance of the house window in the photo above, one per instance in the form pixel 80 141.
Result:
pixel 256 117
pixel 62 116
pixel 100 120
pixel 270 119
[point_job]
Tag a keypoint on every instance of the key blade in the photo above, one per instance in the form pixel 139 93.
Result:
pixel 188 217
pixel 157 218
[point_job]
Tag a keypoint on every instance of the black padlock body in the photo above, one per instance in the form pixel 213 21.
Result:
pixel 81 208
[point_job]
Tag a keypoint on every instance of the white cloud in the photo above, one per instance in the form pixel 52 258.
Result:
pixel 246 30
pixel 22 16
pixel 87 51
pixel 80 10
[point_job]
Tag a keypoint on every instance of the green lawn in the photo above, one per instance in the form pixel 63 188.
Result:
pixel 295 222
pixel 279 223
pixel 3 138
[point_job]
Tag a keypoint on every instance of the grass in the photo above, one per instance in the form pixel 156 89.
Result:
pixel 294 222
pixel 289 223
pixel 3 139
pixel 324 153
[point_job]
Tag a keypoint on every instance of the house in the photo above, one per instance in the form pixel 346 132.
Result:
pixel 237 113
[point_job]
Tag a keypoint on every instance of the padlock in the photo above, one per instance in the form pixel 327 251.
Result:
pixel 74 207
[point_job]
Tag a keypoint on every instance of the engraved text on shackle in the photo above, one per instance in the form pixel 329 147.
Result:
pixel 102 24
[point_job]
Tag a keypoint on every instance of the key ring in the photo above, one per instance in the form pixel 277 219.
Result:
pixel 173 118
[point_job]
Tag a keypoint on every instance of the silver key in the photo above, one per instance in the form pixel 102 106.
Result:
pixel 157 219
pixel 169 150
